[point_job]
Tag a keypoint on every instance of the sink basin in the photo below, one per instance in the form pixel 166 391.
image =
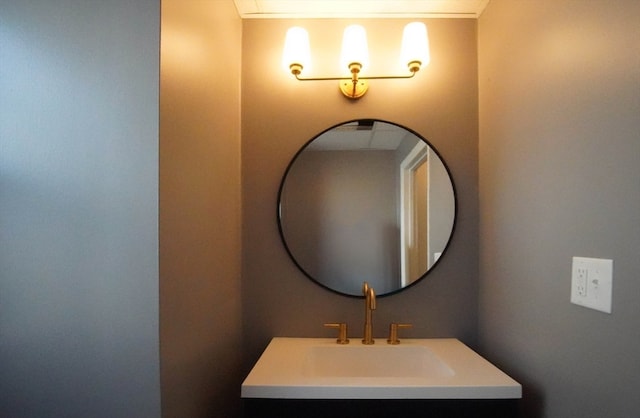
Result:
pixel 379 361
pixel 318 368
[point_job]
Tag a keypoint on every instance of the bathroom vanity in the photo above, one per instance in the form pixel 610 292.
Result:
pixel 315 377
pixel 388 213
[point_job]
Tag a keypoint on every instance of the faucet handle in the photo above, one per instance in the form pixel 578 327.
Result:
pixel 342 332
pixel 393 332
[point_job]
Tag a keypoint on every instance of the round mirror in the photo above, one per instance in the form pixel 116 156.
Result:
pixel 366 200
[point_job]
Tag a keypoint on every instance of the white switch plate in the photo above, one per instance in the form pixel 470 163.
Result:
pixel 591 283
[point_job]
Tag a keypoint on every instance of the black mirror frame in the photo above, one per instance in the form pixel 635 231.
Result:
pixel 279 212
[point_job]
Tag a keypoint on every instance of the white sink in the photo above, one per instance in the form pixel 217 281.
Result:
pixel 357 360
pixel 318 368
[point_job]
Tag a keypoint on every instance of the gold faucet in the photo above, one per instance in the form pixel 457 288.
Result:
pixel 369 307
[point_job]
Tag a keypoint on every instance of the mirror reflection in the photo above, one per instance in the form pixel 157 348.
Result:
pixel 366 200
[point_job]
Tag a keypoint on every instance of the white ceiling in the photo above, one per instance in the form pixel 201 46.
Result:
pixel 287 9
pixel 358 136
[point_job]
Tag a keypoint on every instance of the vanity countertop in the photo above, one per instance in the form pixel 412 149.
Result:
pixel 318 368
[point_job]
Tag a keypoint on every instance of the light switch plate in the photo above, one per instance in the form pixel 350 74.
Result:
pixel 591 283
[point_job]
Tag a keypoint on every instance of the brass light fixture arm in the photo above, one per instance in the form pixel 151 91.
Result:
pixel 382 77
pixel 357 86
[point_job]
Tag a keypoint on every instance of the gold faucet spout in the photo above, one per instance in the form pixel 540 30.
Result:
pixel 369 307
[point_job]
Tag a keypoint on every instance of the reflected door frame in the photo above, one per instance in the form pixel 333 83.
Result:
pixel 414 248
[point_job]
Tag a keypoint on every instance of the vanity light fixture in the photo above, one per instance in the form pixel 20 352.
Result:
pixel 355 56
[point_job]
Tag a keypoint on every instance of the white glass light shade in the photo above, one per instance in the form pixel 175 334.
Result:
pixel 415 44
pixel 354 47
pixel 296 49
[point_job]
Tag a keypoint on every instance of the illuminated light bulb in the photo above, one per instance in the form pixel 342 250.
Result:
pixel 297 53
pixel 354 48
pixel 415 46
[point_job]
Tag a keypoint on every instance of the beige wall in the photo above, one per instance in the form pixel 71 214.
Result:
pixel 279 114
pixel 559 177
pixel 200 209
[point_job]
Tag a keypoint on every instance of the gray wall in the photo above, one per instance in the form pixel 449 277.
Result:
pixel 442 206
pixel 280 114
pixel 560 177
pixel 340 218
pixel 79 209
